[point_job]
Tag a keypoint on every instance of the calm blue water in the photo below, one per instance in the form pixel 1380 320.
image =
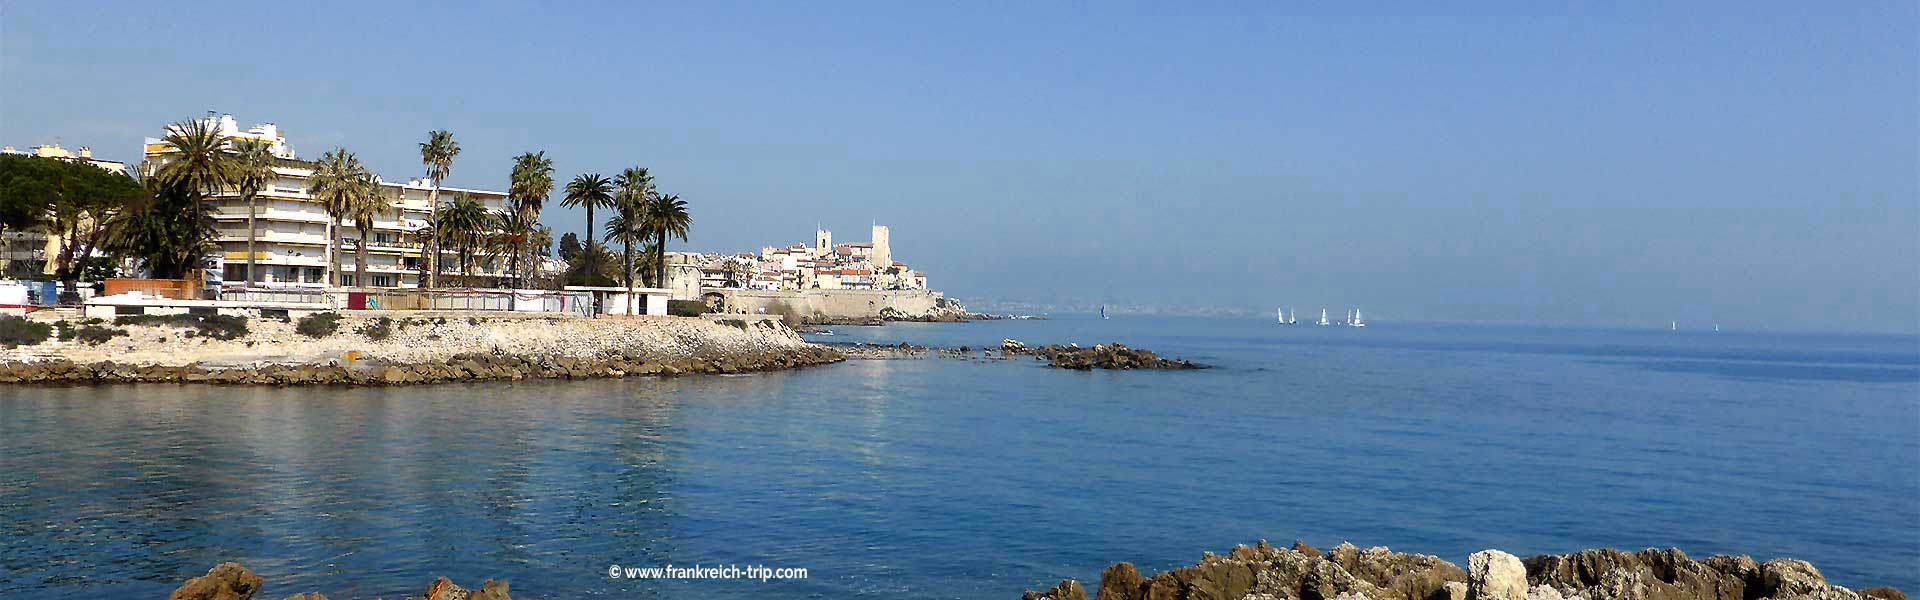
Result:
pixel 967 479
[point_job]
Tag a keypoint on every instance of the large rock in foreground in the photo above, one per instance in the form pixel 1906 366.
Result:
pixel 1263 572
pixel 230 581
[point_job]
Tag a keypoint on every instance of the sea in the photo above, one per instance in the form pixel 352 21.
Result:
pixel 971 478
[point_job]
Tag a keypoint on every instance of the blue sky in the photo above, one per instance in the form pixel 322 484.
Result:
pixel 1754 164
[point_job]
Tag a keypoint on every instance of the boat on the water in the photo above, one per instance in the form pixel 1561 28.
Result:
pixel 1323 319
pixel 1356 321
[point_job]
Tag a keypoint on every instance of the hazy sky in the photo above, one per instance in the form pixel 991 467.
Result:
pixel 1755 164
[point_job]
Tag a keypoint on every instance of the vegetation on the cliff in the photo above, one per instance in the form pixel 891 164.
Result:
pixel 219 327
pixel 16 331
pixel 376 329
pixel 686 308
pixel 318 325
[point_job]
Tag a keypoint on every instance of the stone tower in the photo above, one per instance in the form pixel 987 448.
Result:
pixel 882 250
pixel 822 241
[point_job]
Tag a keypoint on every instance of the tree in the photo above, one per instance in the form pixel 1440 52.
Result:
pixel 632 188
pixel 624 228
pixel 70 201
pixel 200 164
pixel 464 224
pixel 371 203
pixel 529 185
pixel 588 191
pixel 163 226
pixel 339 180
pixel 514 235
pixel 253 171
pixel 666 215
pixel 736 272
pixel 437 154
pixel 592 269
pixel 570 248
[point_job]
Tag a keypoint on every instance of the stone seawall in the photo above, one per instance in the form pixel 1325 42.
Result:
pixel 368 349
pixel 844 306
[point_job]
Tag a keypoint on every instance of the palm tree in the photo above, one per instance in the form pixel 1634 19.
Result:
pixel 624 227
pixel 437 154
pixel 529 185
pixel 514 236
pixel 633 187
pixel 253 170
pixel 199 165
pixel 589 191
pixel 666 216
pixel 337 183
pixel 372 202
pixel 464 224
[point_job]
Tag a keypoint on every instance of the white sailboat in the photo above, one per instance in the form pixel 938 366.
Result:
pixel 1280 316
pixel 1323 318
pixel 1673 326
pixel 1292 317
pixel 1357 321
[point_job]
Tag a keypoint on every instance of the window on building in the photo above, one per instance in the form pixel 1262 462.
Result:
pixel 382 281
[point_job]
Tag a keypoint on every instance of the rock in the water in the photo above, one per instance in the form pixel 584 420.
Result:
pixel 1346 572
pixel 1496 575
pixel 1646 575
pixel 228 581
pixel 1107 356
pixel 496 590
pixel 1303 548
pixel 1067 590
pixel 1789 577
pixel 1121 581
pixel 1013 346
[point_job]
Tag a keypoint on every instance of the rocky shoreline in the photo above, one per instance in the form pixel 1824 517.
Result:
pixel 230 581
pixel 1115 356
pixel 1073 357
pixel 1346 572
pixel 941 317
pixel 379 350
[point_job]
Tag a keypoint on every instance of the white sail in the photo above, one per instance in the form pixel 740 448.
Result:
pixel 1323 317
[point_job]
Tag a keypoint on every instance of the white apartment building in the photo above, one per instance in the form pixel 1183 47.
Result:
pixel 291 242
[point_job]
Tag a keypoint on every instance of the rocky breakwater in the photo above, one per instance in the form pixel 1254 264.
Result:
pixel 230 581
pixel 1346 572
pixel 1100 356
pixel 379 350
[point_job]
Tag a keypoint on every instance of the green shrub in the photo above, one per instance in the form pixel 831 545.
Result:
pixel 94 335
pixel 219 327
pixel 686 308
pixel 377 329
pixel 736 323
pixel 17 331
pixel 318 325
